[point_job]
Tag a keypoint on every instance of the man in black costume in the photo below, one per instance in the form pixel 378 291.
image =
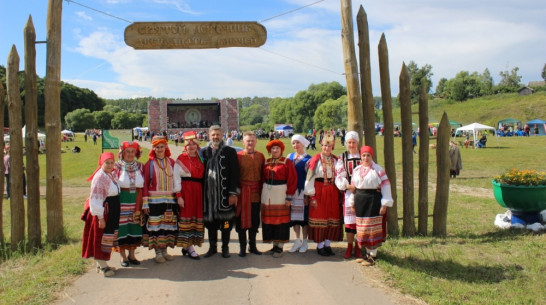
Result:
pixel 220 190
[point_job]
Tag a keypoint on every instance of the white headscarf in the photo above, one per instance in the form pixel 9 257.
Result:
pixel 300 139
pixel 352 135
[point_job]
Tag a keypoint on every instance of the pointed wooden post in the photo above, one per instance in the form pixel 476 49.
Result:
pixel 368 107
pixel 2 169
pixel 408 228
pixel 443 164
pixel 388 136
pixel 354 99
pixel 17 203
pixel 52 93
pixel 31 139
pixel 422 203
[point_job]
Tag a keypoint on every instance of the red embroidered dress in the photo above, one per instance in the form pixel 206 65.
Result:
pixel 325 219
pixel 188 172
pixel 280 184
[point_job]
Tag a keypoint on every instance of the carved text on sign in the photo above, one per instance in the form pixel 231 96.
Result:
pixel 194 35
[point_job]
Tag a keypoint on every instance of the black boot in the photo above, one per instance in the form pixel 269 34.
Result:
pixel 252 242
pixel 242 243
pixel 213 239
pixel 225 243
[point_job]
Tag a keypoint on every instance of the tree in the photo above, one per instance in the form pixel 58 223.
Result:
pixel 103 119
pixel 124 120
pixel 331 114
pixel 305 103
pixel 441 88
pixel 417 75
pixel 252 115
pixel 486 83
pixel 543 74
pixel 510 79
pixel 80 120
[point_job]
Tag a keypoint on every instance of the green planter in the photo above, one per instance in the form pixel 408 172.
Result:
pixel 520 198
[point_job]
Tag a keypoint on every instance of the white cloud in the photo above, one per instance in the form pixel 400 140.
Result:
pixel 84 16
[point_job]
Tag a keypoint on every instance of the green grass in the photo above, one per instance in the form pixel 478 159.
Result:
pixel 487 110
pixel 475 264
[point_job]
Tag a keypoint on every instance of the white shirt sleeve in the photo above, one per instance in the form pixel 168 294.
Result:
pixel 341 175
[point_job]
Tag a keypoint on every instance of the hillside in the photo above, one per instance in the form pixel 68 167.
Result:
pixel 486 110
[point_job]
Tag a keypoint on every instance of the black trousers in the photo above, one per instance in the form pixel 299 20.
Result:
pixel 224 226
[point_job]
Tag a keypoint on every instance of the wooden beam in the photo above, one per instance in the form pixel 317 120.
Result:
pixel 52 92
pixel 388 136
pixel 31 139
pixel 354 99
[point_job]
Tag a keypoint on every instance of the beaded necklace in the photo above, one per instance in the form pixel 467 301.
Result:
pixel 130 169
pixel 326 161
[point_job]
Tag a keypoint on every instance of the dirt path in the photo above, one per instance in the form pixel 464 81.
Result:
pixel 295 278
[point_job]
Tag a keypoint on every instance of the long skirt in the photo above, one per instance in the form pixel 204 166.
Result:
pixel 190 219
pixel 275 214
pixel 370 225
pixel 299 212
pixel 96 242
pixel 130 230
pixel 325 219
pixel 161 227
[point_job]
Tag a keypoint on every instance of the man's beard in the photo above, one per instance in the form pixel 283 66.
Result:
pixel 215 143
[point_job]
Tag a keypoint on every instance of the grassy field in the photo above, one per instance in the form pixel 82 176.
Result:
pixel 475 264
pixel 486 110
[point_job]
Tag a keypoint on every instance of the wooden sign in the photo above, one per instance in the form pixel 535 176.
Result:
pixel 194 35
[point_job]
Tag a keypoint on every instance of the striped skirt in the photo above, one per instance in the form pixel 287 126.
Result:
pixel 130 231
pixel 370 225
pixel 161 229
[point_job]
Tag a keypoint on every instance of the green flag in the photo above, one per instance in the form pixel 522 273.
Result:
pixel 109 141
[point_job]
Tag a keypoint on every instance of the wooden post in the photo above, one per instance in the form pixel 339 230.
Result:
pixel 422 202
pixel 354 103
pixel 408 228
pixel 31 139
pixel 17 203
pixel 388 136
pixel 52 93
pixel 443 164
pixel 368 107
pixel 2 169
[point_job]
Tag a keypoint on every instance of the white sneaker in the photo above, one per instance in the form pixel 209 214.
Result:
pixel 304 246
pixel 296 246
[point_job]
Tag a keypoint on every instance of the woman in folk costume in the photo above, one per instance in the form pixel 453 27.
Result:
pixel 159 203
pixel 324 211
pixel 344 170
pixel 188 173
pixel 280 184
pixel 299 210
pixel 370 202
pixel 101 215
pixel 131 181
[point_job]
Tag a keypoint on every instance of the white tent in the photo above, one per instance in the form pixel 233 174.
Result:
pixel 475 128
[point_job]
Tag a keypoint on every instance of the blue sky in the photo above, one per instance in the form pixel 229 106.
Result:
pixel 303 47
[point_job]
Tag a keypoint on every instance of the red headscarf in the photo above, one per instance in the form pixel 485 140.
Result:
pixel 126 145
pixel 103 157
pixel 156 141
pixel 275 142
pixel 367 149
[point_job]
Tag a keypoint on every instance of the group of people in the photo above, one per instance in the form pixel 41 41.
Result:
pixel 167 203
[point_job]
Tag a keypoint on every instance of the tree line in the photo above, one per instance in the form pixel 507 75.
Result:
pixel 320 106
